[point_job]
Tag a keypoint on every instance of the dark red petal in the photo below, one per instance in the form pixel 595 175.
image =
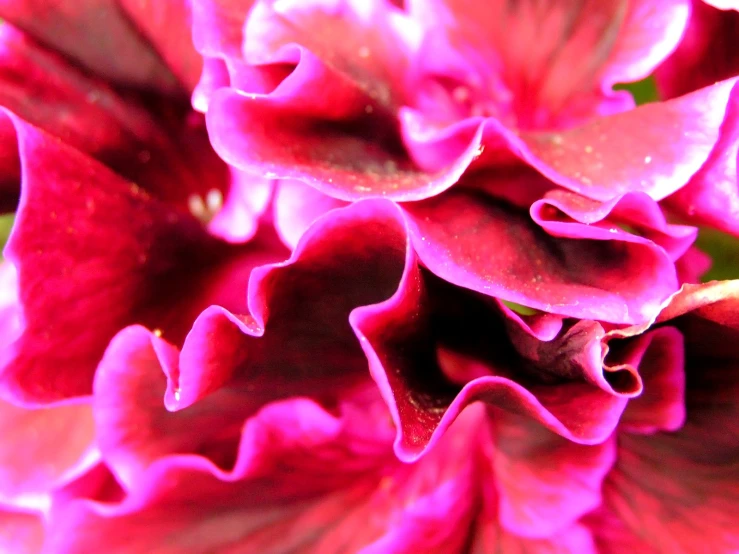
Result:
pixel 544 481
pixel 296 341
pixel 578 352
pixel 661 406
pixel 703 56
pixel 158 143
pixel 166 26
pixel 434 349
pixel 98 35
pixel 490 247
pixel 82 278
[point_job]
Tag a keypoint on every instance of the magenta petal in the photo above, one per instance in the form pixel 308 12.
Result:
pixel 602 220
pixel 679 478
pixel 712 195
pixel 702 57
pixel 133 427
pixel 661 406
pixel 431 354
pixel 504 254
pixel 296 207
pixel 217 32
pixel 230 365
pixel 298 483
pixel 361 42
pixel 334 151
pixel 163 270
pixel 20 532
pixel 32 459
pixel 655 148
pixel 552 65
pixel 99 37
pixel 157 143
pixel 723 4
pixel 545 482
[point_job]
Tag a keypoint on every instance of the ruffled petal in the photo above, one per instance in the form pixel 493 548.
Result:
pixel 296 207
pixel 712 195
pixel 67 241
pixel 675 492
pixel 285 492
pixel 633 217
pixel 295 341
pixel 431 353
pixel 490 536
pixel 661 406
pixel 504 254
pixel 525 64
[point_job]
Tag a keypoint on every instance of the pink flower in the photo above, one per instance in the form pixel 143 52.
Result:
pixel 420 280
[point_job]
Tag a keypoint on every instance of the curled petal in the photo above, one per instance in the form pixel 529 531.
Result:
pixel 712 195
pixel 67 241
pixel 661 406
pixel 296 207
pixel 431 353
pixel 230 365
pixel 632 217
pixel 702 57
pixel 487 246
pixel 287 469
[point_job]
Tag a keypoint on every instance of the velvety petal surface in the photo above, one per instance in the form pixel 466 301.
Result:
pixel 545 66
pixel 712 195
pixel 434 349
pixel 296 340
pixel 81 279
pixel 665 483
pixel 297 500
pixel 296 207
pixel 158 143
pixel 704 55
pixel 488 246
pixel 545 482
pixel 99 35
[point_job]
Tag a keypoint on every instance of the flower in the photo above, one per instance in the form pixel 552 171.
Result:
pixel 420 280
